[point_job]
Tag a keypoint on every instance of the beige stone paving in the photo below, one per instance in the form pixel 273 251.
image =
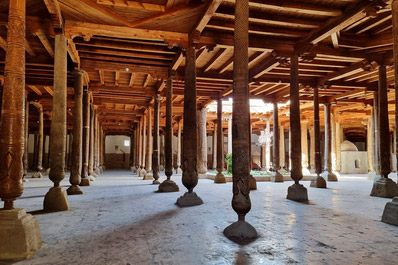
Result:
pixel 121 220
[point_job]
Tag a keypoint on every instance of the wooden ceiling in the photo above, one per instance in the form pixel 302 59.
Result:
pixel 128 48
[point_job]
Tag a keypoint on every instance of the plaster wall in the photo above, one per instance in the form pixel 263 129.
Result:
pixel 348 164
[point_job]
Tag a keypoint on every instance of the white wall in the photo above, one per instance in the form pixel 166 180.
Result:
pixel 112 140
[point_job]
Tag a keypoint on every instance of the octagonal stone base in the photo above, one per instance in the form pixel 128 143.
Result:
pixel 168 186
pixel 19 235
pixel 252 183
pixel 241 232
pixel 384 187
pixel 276 177
pixel 318 182
pixel 85 182
pixel 37 175
pixel 189 199
pixel 56 200
pixel 390 213
pixel 329 176
pixel 74 190
pixel 148 176
pixel 142 173
pixel 220 178
pixel 297 192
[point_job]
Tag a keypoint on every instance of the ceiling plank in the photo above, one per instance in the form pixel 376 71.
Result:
pixel 214 59
pixel 132 4
pixel 132 79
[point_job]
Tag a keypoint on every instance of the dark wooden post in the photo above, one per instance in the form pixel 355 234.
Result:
pixel 220 178
pixel 168 185
pixel 39 162
pixel 296 192
pixel 190 140
pixel 241 231
pixel 85 181
pixel 56 198
pixel 318 181
pixel 384 186
pixel 276 176
pixel 155 152
pixel 26 140
pixel 328 174
pixel 76 163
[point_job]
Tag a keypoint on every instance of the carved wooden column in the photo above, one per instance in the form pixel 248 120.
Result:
pixel 148 158
pixel 276 176
pixel 76 163
pixel 376 161
pixel 69 154
pixel 156 153
pixel 26 140
pixel 214 158
pixel 139 145
pixel 85 181
pixel 318 181
pixel 296 192
pixel 56 198
pixel 39 165
pixel 333 141
pixel 202 143
pixel 241 231
pixel 143 146
pixel 384 186
pixel 220 178
pixel 328 174
pixel 132 151
pixel 304 147
pixel 161 155
pixel 312 149
pixel 23 229
pixel 282 148
pixel 338 146
pixel 268 146
pixel 370 143
pixel 168 185
pixel 229 141
pixel 91 173
pixel 390 214
pixel 179 124
pixel 190 140
pixel 96 145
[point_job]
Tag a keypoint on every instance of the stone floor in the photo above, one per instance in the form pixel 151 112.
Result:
pixel 121 220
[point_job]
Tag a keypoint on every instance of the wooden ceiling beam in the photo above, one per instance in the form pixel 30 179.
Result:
pixel 214 59
pixel 49 90
pixel 211 7
pixel 44 40
pixel 133 4
pixel 73 53
pixel 132 78
pixel 336 24
pixel 124 53
pixel 55 13
pixel 35 89
pixel 264 66
pixel 179 57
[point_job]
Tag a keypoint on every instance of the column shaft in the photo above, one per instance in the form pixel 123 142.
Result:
pixel 26 140
pixel 85 138
pixel 202 155
pixel 148 163
pixel 12 131
pixel 282 146
pixel 169 131
pixel 338 146
pixel 384 130
pixel 229 142
pixel 328 145
pixel 179 124
pixel 156 153
pixel 220 178
pixel 276 151
pixel 214 160
pixel 268 146
pixel 304 146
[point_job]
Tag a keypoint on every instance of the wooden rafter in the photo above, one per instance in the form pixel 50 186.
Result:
pixel 132 4
pixel 214 59
pixel 44 40
pixel 117 75
pixel 36 90
pixel 49 90
pixel 102 78
pixel 132 78
pixel 55 13
pixel 210 10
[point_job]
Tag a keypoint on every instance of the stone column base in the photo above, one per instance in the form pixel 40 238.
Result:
pixel 133 169
pixel 202 176
pixel 220 178
pixel 19 235
pixel 142 173
pixel 241 232
pixel 252 183
pixel 390 213
pixel 329 176
pixel 306 171
pixel 178 171
pixel 161 168
pixel 56 200
pixel 85 182
pixel 148 176
pixel 384 187
pixel 74 190
pixel 37 175
pixel 168 186
pixel 48 171
pixel 92 177
pixel 297 192
pixel 276 177
pixel 189 199
pixel 318 182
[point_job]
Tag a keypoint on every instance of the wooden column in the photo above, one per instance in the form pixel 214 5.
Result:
pixel 144 142
pixel 276 176
pixel 376 160
pixel 384 186
pixel 229 140
pixel 26 140
pixel 76 163
pixel 370 143
pixel 214 158
pixel 139 145
pixel 296 192
pixel 328 174
pixel 202 143
pixel 318 181
pixel 312 149
pixel 85 181
pixel 220 178
pixel 96 145
pixel 168 185
pixel 21 232
pixel 304 146
pixel 179 124
pixel 156 153
pixel 39 165
pixel 241 230
pixel 148 157
pixel 12 131
pixel 91 174
pixel 56 199
pixel 268 146
pixel 338 146
pixel 282 147
pixel 132 151
pixel 190 140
